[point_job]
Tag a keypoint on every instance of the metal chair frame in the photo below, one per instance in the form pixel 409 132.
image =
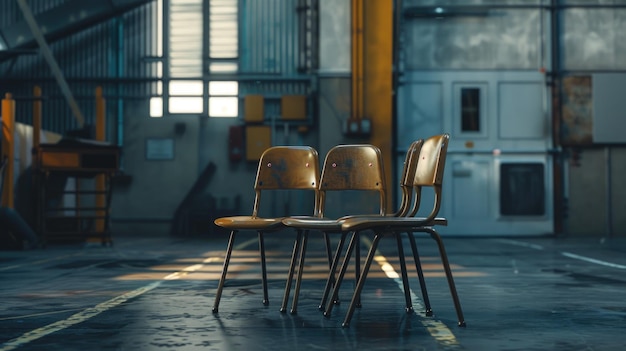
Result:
pixel 280 168
pixel 428 173
pixel 406 184
pixel 346 167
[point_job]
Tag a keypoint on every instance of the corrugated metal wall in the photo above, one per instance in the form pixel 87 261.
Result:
pixel 270 37
pixel 119 53
pixel 109 54
pixel 272 49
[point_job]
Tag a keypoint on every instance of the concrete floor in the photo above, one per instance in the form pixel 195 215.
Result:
pixel 157 293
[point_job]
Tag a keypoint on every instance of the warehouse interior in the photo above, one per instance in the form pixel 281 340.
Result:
pixel 130 126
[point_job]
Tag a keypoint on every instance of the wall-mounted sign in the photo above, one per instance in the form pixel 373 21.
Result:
pixel 159 149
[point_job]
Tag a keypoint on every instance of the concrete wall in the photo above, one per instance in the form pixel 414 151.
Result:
pixel 595 208
pixel 147 204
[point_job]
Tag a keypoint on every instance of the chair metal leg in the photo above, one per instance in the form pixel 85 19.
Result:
pixel 329 253
pixel 342 272
pixel 357 265
pixel 296 293
pixel 266 300
pixel 446 266
pixel 331 272
pixel 405 276
pixel 292 265
pixel 361 282
pixel 420 274
pixel 220 285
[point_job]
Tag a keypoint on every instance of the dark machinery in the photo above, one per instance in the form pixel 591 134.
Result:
pixel 78 211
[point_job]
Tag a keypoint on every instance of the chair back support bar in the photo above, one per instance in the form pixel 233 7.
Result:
pixel 408 177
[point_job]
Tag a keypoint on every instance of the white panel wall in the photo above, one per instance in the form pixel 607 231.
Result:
pixel 513 128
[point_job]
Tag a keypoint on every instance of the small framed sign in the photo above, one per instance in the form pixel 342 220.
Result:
pixel 159 149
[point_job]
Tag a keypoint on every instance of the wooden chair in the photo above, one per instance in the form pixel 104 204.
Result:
pixel 429 173
pixel 406 185
pixel 280 168
pixel 346 167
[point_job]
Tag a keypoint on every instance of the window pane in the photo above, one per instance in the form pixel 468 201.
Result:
pixel 223 107
pixel 186 87
pixel 185 38
pixel 470 109
pixel 185 105
pixel 223 88
pixel 156 107
pixel 223 67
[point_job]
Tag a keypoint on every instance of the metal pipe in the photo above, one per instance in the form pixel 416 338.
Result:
pixel 7 151
pixel 608 187
pixel 357 58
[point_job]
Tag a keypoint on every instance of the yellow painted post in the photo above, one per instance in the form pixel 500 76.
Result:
pixel 357 59
pixel 100 179
pixel 8 153
pixel 378 70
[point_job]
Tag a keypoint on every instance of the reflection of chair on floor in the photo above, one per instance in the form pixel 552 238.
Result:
pixel 280 168
pixel 346 168
pixel 429 173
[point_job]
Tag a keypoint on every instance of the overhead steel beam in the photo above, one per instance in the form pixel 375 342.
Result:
pixel 54 66
pixel 60 21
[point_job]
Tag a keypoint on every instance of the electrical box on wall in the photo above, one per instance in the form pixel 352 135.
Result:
pixel 357 127
pixel 235 143
pixel 258 139
pixel 253 108
pixel 293 107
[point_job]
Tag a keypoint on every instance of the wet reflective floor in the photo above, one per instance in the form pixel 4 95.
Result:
pixel 157 294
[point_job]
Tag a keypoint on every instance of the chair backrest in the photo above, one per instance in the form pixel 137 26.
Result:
pixel 429 171
pixel 353 167
pixel 287 168
pixel 408 177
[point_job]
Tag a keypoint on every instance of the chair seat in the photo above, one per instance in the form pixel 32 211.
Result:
pixel 249 222
pixel 323 224
pixel 392 223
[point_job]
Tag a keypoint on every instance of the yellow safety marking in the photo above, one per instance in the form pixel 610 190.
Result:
pixel 103 307
pixel 39 314
pixel 76 318
pixel 437 329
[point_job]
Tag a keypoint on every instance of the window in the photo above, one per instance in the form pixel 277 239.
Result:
pixel 223 101
pixel 186 66
pixel 223 54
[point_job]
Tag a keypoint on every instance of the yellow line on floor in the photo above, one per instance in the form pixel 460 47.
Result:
pixel 437 329
pixel 75 319
pixel 102 307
